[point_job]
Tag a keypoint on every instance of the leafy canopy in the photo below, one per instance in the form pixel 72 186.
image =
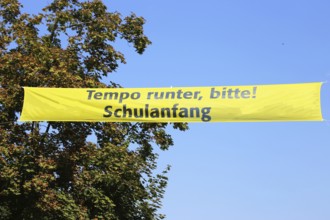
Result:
pixel 52 170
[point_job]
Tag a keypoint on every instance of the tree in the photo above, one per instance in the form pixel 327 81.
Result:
pixel 50 170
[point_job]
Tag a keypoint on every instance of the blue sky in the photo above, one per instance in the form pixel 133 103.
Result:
pixel 234 171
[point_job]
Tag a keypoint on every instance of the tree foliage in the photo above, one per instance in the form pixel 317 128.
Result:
pixel 52 170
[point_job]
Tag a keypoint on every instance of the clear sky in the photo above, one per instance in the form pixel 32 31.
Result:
pixel 237 171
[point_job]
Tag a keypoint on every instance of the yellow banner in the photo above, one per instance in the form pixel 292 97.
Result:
pixel 288 102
